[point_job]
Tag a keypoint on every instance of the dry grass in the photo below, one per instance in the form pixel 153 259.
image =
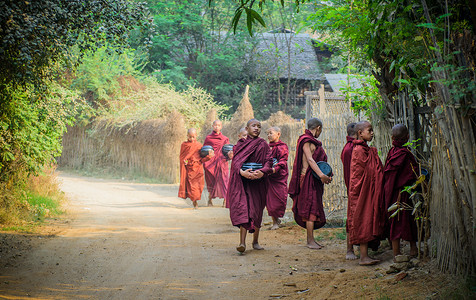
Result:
pixel 31 198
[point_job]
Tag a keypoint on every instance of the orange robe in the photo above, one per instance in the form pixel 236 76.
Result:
pixel 191 174
pixel 366 210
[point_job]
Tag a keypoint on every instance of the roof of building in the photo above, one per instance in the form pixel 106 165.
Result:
pixel 339 81
pixel 276 50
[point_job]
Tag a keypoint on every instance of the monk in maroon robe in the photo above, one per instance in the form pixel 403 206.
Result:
pixel 191 171
pixel 305 190
pixel 216 169
pixel 346 156
pixel 278 180
pixel 247 189
pixel 366 210
pixel 400 170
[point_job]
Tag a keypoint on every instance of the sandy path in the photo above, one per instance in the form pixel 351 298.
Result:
pixel 139 241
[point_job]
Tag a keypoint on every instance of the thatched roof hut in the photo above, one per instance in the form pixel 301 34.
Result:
pixel 290 55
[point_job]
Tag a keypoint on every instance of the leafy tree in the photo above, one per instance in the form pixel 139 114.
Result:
pixel 192 46
pixel 36 38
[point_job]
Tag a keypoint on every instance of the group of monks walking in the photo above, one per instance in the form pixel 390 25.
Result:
pixel 371 187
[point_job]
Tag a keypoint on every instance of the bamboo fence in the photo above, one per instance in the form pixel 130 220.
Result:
pixel 148 148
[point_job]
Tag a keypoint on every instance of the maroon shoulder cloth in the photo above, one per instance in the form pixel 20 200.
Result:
pixel 247 198
pixel 400 170
pixel 307 191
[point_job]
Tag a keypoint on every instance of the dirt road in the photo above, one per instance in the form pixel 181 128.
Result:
pixel 139 241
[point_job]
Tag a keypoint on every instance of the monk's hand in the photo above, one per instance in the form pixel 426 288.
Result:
pixel 247 174
pixel 211 153
pixel 230 154
pixel 185 162
pixel 326 179
pixel 257 174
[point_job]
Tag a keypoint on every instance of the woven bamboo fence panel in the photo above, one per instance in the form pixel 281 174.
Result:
pixel 148 148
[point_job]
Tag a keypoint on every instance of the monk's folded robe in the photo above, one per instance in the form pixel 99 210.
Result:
pixel 216 169
pixel 305 190
pixel 278 181
pixel 247 198
pixel 191 174
pixel 345 157
pixel 366 210
pixel 400 170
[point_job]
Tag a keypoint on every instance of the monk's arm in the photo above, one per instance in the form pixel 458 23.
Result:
pixel 283 159
pixel 312 163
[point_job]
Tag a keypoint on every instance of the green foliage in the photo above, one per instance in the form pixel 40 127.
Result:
pixel 36 46
pixel 32 128
pixel 193 47
pixel 29 199
pixel 341 235
pixel 36 34
pixel 100 69
pixel 365 97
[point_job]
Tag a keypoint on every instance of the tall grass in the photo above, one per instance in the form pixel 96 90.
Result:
pixel 30 199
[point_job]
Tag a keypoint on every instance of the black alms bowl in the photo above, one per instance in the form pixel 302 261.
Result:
pixel 325 168
pixel 205 150
pixel 226 148
pixel 252 166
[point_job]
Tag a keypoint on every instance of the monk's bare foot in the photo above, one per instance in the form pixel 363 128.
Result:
pixel 274 227
pixel 368 261
pixel 210 203
pixel 350 255
pixel 257 246
pixel 314 245
pixel 241 248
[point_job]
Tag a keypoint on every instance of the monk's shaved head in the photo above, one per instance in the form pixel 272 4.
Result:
pixel 274 128
pixel 351 129
pixel 191 131
pixel 360 126
pixel 217 126
pixel 251 121
pixel 400 132
pixel 313 123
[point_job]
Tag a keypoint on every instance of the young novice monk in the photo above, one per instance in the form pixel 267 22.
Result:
pixel 400 170
pixel 247 189
pixel 366 210
pixel 216 169
pixel 191 171
pixel 305 190
pixel 278 180
pixel 242 134
pixel 346 156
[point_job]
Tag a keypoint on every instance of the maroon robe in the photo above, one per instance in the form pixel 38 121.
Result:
pixel 191 174
pixel 216 169
pixel 346 156
pixel 278 181
pixel 366 210
pixel 307 192
pixel 400 170
pixel 247 198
